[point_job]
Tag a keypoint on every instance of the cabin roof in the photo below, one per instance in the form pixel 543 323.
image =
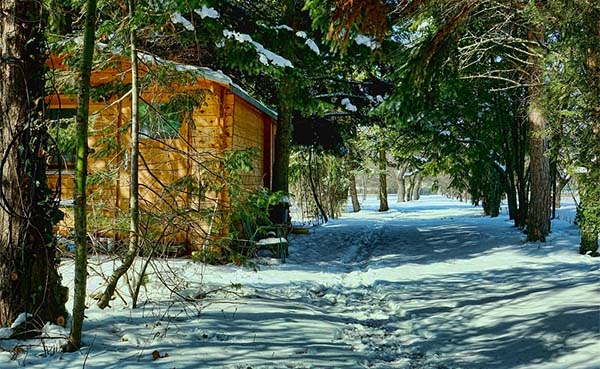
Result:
pixel 210 75
pixel 200 72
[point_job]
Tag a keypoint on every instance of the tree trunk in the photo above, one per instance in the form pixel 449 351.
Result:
pixel 514 153
pixel 401 194
pixel 354 193
pixel 589 191
pixel 313 188
pixel 509 183
pixel 286 94
pixel 538 220
pixel 382 162
pixel 493 197
pixel 589 210
pixel 134 211
pixel 553 178
pixel 29 280
pixel 283 140
pixel 522 192
pixel 417 187
pixel 560 186
pixel 80 179
pixel 589 222
pixel 409 190
pixel 520 134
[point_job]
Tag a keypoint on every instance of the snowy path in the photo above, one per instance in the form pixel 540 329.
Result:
pixel 430 284
pixel 436 285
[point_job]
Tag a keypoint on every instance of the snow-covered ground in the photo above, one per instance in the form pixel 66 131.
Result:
pixel 429 284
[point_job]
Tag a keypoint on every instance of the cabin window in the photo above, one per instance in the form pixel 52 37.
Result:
pixel 159 120
pixel 62 130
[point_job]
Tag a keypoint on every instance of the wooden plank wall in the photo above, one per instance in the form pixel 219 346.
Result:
pixel 249 132
pixel 224 122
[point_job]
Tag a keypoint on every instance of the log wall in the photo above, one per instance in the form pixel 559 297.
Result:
pixel 223 122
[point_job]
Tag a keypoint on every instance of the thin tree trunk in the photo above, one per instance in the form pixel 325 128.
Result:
pixel 553 186
pixel 560 186
pixel 506 175
pixel 515 164
pixel 509 183
pixel 364 187
pixel 382 162
pixel 511 194
pixel 80 180
pixel 409 190
pixel 313 188
pixel 401 194
pixel 29 280
pixel 538 220
pixel 522 175
pixel 134 183
pixel 417 187
pixel 494 195
pixel 354 193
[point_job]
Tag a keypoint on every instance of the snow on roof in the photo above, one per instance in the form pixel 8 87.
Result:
pixel 211 75
pixel 204 72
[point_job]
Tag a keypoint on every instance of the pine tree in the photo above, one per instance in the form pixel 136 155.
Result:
pixel 29 280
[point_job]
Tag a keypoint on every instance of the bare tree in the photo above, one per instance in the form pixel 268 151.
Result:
pixel 134 210
pixel 83 100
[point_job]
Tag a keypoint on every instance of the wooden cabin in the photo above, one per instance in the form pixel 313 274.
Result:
pixel 191 117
